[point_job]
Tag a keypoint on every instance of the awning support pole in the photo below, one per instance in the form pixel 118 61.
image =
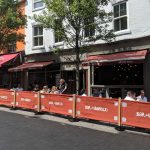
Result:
pixel 92 72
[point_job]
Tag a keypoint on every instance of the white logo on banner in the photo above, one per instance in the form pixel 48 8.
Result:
pixel 78 100
pixel 43 107
pixel 26 99
pixel 78 112
pixel 35 106
pixel 35 95
pixel 56 103
pixel 70 99
pixel 124 104
pixel 70 111
pixel 3 97
pixel 116 103
pixel 42 96
pixel 124 119
pixel 96 108
pixel 142 114
pixel 115 118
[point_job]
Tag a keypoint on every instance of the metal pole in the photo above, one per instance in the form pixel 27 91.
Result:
pixel 74 106
pixel 107 92
pixel 14 104
pixel 119 112
pixel 119 128
pixel 92 72
pixel 39 102
pixel 26 79
pixel 45 78
pixel 84 79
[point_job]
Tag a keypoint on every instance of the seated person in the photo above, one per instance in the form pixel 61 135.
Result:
pixel 54 90
pixel 83 92
pixel 14 87
pixel 36 88
pixel 45 89
pixel 130 96
pixel 30 87
pixel 95 93
pixel 19 88
pixel 141 97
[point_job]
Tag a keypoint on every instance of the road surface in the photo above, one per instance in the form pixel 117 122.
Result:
pixel 19 132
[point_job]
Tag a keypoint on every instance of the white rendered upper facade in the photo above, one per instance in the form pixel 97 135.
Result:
pixel 131 21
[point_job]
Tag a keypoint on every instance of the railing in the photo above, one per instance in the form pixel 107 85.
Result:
pixel 116 111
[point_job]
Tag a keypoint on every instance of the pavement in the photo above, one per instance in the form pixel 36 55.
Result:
pixel 22 130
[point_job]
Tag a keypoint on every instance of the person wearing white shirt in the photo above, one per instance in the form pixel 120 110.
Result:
pixel 130 96
pixel 83 92
pixel 45 89
pixel 19 88
pixel 141 97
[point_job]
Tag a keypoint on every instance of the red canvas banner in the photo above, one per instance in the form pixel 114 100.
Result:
pixel 135 114
pixel 6 97
pixel 97 108
pixel 60 104
pixel 28 100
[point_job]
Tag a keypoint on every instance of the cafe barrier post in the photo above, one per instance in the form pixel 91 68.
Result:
pixel 119 127
pixel 74 107
pixel 73 119
pixel 14 105
pixel 14 101
pixel 39 102
pixel 38 111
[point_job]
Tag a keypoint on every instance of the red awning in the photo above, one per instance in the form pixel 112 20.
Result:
pixel 6 58
pixel 32 65
pixel 122 56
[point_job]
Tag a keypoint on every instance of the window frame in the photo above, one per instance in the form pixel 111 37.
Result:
pixel 33 2
pixel 60 39
pixel 11 48
pixel 120 17
pixel 37 36
pixel 88 29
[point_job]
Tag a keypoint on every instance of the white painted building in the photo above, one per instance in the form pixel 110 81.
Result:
pixel 132 28
pixel 37 40
pixel 135 12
